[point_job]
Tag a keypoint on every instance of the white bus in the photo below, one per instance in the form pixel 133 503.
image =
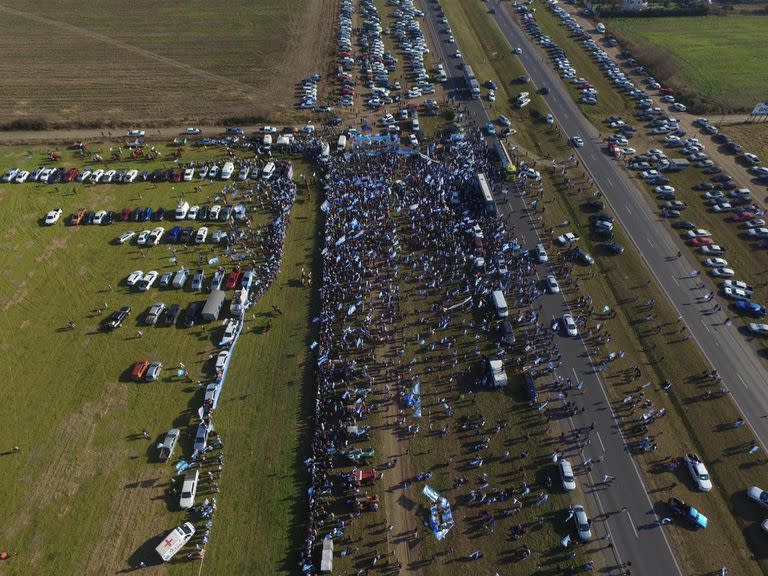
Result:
pixel 489 204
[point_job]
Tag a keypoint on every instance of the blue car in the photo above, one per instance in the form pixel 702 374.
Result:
pixel 491 84
pixel 174 233
pixel 491 129
pixel 751 308
pixel 147 214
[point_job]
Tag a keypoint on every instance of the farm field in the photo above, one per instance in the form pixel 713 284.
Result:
pixel 83 468
pixel 715 62
pixel 157 63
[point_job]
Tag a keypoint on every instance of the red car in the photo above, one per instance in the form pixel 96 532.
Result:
pixel 701 241
pixel 139 370
pixel 178 175
pixel 665 91
pixel 742 216
pixel 125 215
pixel 233 278
pixel 71 175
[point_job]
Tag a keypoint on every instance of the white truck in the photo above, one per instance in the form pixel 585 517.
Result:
pixel 175 541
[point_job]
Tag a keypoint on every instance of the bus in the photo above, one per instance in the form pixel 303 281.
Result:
pixel 506 162
pixel 489 204
pixel 472 83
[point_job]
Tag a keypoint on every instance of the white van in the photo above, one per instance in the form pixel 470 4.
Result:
pixel 500 303
pixel 268 171
pixel 342 143
pixel 239 298
pixel 541 254
pixel 182 209
pixel 175 541
pixel 227 170
pixel 189 489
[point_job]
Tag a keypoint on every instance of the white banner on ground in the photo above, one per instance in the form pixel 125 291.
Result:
pixel 761 109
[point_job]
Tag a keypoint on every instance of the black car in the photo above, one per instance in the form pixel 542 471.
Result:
pixel 684 225
pixel 594 204
pixel 157 175
pixel 702 186
pixel 614 247
pixel 523 79
pixel 202 213
pixel 109 217
pixel 226 213
pixel 159 215
pixel 191 314
pixel 602 217
pixel 116 318
pixel 171 315
pixel 118 177
pixel 584 257
pixel 136 215
pixel 720 138
pixel 722 178
pixel 187 234
pixel 145 175
pixel 730 185
pixel 88 218
pixel 712 170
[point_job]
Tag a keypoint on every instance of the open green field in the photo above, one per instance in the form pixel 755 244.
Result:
pixel 716 62
pixel 158 63
pixel 84 494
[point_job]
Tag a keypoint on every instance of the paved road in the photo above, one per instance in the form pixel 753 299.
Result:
pixel 743 371
pixel 647 549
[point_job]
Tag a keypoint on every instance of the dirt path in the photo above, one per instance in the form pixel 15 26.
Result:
pixel 399 503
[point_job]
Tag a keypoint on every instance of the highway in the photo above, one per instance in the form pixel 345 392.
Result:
pixel 743 372
pixel 634 532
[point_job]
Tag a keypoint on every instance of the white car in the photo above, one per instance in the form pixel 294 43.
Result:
pixel 582 522
pixel 125 236
pixel 457 54
pixel 189 173
pixel 735 293
pixel 552 286
pixel 192 131
pixel 698 472
pixel 649 174
pixel 213 213
pixel 758 232
pixel 21 177
pixel 189 489
pixel 664 189
pixel 566 475
pixel 155 236
pixel 758 495
pixel 53 216
pixel 221 360
pixel 518 50
pixel 148 280
pixel 722 272
pixel 98 218
pixel 201 235
pixel 758 329
pixel 722 207
pixel 567 238
pixel 135 277
pixel 570 325
pixel 698 233
pixel 135 133
pixel 578 142
pixel 413 140
pixel 192 212
pixel 715 263
pixel 712 249
pixel 143 236
pixel 754 223
pixel 679 107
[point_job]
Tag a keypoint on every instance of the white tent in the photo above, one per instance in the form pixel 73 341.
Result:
pixel 326 562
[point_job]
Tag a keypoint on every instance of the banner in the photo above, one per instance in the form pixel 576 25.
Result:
pixel 761 109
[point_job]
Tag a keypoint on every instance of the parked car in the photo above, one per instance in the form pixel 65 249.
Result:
pixel 685 512
pixel 168 445
pixel 171 315
pixel 698 472
pixel 566 475
pixel 153 371
pixel 116 319
pixel 139 370
pixel 53 216
pixel 154 313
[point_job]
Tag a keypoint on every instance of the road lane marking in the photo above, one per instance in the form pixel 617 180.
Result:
pixel 742 380
pixel 632 524
pixel 628 210
pixel 599 439
pixel 651 243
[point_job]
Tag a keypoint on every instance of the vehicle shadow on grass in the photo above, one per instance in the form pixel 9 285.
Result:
pixel 145 553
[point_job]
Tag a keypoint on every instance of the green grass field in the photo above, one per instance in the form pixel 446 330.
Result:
pixel 158 63
pixel 84 494
pixel 717 60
